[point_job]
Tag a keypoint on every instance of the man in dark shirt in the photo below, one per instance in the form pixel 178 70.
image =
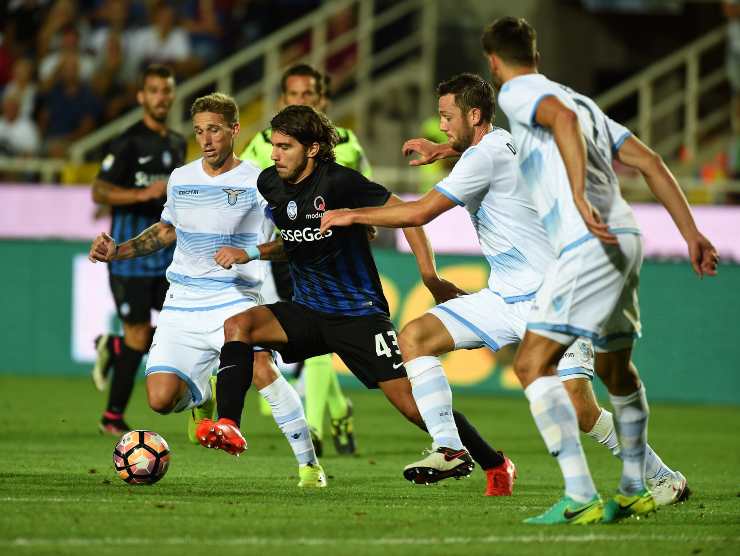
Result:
pixel 338 302
pixel 133 181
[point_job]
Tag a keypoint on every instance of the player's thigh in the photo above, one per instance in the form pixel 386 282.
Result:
pixel 482 319
pixel 368 345
pixel 257 325
pixel 183 347
pixel 537 356
pixel 302 330
pixel 425 335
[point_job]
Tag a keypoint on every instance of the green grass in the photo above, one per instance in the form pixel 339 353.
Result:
pixel 59 495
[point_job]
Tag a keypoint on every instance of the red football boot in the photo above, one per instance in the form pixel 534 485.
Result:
pixel 500 480
pixel 223 434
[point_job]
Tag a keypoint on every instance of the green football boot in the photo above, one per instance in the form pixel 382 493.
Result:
pixel 623 506
pixel 206 410
pixel 567 510
pixel 312 476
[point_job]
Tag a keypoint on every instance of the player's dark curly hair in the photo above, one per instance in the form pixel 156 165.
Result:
pixel 512 39
pixel 308 126
pixel 471 91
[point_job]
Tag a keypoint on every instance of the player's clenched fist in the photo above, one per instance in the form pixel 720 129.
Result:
pixel 103 249
pixel 227 256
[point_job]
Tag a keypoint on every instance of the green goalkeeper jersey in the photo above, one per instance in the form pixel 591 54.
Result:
pixel 348 151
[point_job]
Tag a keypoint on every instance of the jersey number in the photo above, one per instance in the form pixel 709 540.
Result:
pixel 381 346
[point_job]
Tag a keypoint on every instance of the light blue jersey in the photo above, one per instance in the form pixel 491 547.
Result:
pixel 543 169
pixel 209 213
pixel 485 181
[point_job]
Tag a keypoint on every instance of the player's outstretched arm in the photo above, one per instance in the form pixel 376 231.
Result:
pixel 155 237
pixel 563 123
pixel 664 186
pixel 106 193
pixel 270 251
pixel 427 150
pixel 394 214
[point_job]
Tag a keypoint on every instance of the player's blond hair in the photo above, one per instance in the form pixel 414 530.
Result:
pixel 217 103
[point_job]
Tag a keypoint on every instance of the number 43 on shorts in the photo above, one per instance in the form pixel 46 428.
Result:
pixel 381 346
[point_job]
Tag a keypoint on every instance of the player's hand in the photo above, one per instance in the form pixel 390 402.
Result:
pixel 103 249
pixel 593 222
pixel 427 150
pixel 228 256
pixel 336 218
pixel 442 290
pixel 155 190
pixel 703 255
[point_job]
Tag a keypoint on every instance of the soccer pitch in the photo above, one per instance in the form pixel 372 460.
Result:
pixel 59 493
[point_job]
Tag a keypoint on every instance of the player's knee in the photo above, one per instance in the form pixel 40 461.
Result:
pixel 161 402
pixel 411 341
pixel 238 328
pixel 265 372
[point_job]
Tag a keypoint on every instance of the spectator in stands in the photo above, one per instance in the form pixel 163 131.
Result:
pixel 23 19
pixel 164 42
pixel 110 79
pixel 6 60
pixel 203 23
pixel 62 15
pixel 69 46
pixel 19 135
pixel 23 86
pixel 114 16
pixel 70 108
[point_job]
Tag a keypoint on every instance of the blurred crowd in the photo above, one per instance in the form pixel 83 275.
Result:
pixel 68 66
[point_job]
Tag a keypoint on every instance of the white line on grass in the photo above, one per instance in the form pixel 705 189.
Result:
pixel 266 541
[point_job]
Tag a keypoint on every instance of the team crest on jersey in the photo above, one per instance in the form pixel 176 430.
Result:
pixel 319 203
pixel 233 195
pixel 292 210
pixel 167 159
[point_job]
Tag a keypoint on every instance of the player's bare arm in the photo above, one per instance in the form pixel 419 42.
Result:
pixel 563 123
pixel 106 193
pixel 664 186
pixel 394 214
pixel 155 237
pixel 427 150
pixel 270 251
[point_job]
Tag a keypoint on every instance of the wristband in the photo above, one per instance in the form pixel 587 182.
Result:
pixel 253 253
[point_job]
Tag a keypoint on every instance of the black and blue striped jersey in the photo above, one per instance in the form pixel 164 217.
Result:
pixel 136 158
pixel 334 273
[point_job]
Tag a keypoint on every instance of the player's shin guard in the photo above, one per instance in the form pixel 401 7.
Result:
pixel 631 416
pixel 125 366
pixel 288 413
pixel 434 399
pixel 234 379
pixel 556 420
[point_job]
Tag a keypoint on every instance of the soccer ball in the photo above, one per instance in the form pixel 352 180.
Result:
pixel 141 457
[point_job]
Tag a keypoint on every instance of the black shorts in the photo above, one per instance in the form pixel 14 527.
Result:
pixel 136 296
pixel 368 345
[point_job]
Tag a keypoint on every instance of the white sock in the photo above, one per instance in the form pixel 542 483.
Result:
pixel 654 466
pixel 604 432
pixel 556 420
pixel 631 417
pixel 434 399
pixel 290 417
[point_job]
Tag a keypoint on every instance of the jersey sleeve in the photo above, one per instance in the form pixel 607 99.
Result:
pixel 618 133
pixel 116 165
pixel 519 102
pixel 362 192
pixel 470 176
pixel 259 150
pixel 168 211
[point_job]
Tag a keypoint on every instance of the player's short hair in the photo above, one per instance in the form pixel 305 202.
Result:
pixel 471 91
pixel 156 70
pixel 218 103
pixel 513 39
pixel 305 70
pixel 308 126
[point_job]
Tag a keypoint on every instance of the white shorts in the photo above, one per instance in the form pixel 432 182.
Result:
pixel 188 343
pixel 485 319
pixel 268 292
pixel 591 291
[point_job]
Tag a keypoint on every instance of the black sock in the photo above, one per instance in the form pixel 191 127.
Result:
pixel 483 454
pixel 125 365
pixel 234 379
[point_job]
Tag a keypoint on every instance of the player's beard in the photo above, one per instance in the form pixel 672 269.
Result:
pixel 465 139
pixel 156 115
pixel 298 171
